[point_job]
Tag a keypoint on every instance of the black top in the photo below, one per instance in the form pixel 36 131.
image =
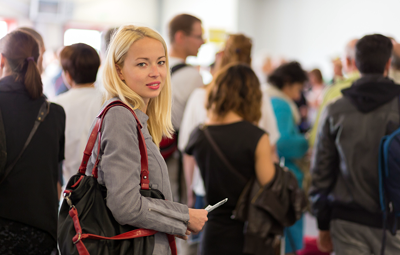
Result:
pixel 238 142
pixel 29 194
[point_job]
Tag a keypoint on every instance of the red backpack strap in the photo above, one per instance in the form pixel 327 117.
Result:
pixel 96 132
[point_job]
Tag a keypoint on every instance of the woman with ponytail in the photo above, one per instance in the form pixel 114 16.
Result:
pixel 28 192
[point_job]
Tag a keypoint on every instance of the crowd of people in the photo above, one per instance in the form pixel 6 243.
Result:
pixel 204 142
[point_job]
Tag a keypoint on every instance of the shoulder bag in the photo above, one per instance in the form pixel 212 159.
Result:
pixel 86 225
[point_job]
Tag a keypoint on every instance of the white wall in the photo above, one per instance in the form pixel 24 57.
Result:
pixel 314 31
pixel 310 31
pixel 116 12
pixel 220 14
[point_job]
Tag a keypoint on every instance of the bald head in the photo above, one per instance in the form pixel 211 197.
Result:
pixel 349 62
pixel 396 56
pixel 351 49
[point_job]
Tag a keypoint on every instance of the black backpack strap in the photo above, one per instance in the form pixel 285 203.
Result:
pixel 177 67
pixel 44 110
pixel 3 145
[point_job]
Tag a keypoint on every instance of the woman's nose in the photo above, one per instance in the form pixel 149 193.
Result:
pixel 154 72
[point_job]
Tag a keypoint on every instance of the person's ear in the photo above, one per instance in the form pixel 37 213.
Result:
pixel 67 79
pixel 387 66
pixel 179 37
pixel 119 72
pixel 2 61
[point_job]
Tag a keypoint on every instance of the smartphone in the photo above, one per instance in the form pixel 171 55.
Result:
pixel 210 208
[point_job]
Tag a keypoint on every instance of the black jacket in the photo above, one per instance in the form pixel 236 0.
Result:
pixel 344 166
pixel 29 194
pixel 268 210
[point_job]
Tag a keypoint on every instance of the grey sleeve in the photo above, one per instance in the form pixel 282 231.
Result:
pixel 119 169
pixel 324 170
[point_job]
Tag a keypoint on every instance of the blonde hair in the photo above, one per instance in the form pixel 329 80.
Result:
pixel 159 108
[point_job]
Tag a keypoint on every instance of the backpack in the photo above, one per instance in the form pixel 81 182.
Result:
pixel 169 145
pixel 389 181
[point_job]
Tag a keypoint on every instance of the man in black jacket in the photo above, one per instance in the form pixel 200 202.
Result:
pixel 345 189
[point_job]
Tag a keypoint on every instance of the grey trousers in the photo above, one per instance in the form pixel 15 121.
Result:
pixel 354 239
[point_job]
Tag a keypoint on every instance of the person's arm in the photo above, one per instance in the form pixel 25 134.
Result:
pixel 188 166
pixel 265 169
pixel 119 168
pixel 268 119
pixel 290 144
pixel 324 172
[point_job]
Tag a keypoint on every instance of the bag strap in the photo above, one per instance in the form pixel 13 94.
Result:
pixel 96 133
pixel 3 145
pixel 221 155
pixel 43 111
pixel 177 67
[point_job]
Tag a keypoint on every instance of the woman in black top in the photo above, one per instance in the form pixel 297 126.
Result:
pixel 28 195
pixel 234 108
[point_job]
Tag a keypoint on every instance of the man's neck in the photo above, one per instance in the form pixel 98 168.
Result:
pixel 176 52
pixel 78 86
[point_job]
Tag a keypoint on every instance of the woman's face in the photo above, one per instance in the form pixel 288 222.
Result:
pixel 145 69
pixel 293 90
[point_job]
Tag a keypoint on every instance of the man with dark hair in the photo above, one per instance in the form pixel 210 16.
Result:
pixel 186 37
pixel 80 63
pixel 345 182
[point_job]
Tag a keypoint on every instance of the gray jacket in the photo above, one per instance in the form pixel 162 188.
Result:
pixel 345 181
pixel 119 171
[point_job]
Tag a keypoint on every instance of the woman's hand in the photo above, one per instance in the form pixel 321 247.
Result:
pixel 197 219
pixel 324 241
pixel 185 237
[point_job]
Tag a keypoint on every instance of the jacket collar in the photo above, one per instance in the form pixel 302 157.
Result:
pixel 371 91
pixel 11 84
pixel 272 91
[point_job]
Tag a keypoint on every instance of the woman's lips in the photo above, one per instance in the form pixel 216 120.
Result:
pixel 153 85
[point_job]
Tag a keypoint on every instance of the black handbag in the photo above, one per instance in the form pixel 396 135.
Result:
pixel 86 225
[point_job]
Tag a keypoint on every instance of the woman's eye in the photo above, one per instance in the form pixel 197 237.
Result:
pixel 141 64
pixel 161 63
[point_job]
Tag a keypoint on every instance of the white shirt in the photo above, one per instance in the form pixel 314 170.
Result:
pixel 183 82
pixel 195 114
pixel 81 106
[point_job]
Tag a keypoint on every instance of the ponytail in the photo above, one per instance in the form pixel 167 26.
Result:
pixel 22 52
pixel 32 79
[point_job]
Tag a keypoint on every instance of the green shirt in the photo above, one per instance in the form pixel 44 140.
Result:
pixel 332 93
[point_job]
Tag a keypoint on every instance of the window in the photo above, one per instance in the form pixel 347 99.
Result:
pixel 3 28
pixel 90 37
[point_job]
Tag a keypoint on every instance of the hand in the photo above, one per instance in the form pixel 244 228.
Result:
pixel 324 241
pixel 185 237
pixel 197 219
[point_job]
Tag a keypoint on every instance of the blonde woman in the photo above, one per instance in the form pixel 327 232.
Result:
pixel 136 72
